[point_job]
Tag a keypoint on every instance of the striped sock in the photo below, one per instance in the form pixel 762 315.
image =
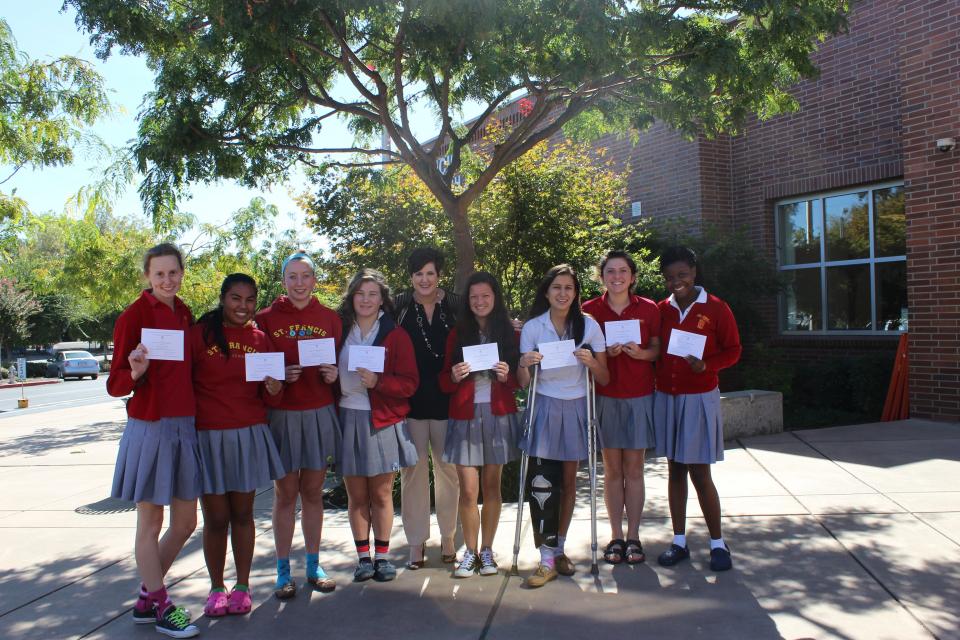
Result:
pixel 363 549
pixel 381 548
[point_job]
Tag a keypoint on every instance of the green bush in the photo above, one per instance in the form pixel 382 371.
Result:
pixel 839 390
pixel 36 369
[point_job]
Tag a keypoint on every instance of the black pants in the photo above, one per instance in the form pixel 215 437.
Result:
pixel 545 489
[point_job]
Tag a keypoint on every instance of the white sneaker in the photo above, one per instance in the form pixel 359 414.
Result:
pixel 468 566
pixel 488 566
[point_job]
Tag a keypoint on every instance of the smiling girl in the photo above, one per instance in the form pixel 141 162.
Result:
pixel 158 463
pixel 557 440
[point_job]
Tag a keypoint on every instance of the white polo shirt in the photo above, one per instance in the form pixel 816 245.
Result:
pixel 565 383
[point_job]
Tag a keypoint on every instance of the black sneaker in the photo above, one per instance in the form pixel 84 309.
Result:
pixel 364 571
pixel 720 559
pixel 144 612
pixel 673 555
pixel 175 623
pixel 384 571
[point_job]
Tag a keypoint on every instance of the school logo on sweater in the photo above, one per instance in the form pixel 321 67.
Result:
pixel 702 321
pixel 300 331
pixel 234 346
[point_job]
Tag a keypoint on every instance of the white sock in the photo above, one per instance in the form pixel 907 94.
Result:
pixel 560 541
pixel 717 544
pixel 546 555
pixel 680 539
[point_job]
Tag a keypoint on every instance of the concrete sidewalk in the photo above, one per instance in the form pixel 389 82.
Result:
pixel 851 532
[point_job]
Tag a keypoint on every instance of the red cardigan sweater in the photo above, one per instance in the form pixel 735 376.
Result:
pixel 389 402
pixel 712 319
pixel 502 400
pixel 165 390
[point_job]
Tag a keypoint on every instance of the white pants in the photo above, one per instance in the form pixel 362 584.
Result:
pixel 415 486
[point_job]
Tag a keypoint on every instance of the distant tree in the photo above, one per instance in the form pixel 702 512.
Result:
pixel 244 88
pixel 16 307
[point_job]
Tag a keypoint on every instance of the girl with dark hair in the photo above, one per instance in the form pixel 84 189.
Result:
pixel 483 416
pixel 237 450
pixel 687 402
pixel 304 426
pixel 557 439
pixel 373 408
pixel 625 404
pixel 428 313
pixel 158 462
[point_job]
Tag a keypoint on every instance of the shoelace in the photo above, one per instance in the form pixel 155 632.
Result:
pixel 469 559
pixel 178 617
pixel 486 557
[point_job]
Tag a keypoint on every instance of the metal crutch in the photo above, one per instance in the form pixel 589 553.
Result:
pixel 592 465
pixel 528 425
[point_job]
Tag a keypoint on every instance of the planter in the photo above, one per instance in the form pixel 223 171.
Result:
pixel 23 403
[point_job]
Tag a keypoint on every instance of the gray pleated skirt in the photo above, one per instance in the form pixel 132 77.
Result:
pixel 369 452
pixel 626 423
pixel 487 439
pixel 240 460
pixel 559 430
pixel 308 439
pixel 689 427
pixel 158 461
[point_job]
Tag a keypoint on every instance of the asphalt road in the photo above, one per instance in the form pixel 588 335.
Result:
pixel 71 393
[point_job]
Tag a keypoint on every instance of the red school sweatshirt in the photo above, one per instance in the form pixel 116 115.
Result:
pixel 225 400
pixel 502 400
pixel 165 390
pixel 284 326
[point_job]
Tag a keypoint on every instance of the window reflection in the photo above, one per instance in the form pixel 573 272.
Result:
pixel 800 227
pixel 848 297
pixel 889 222
pixel 848 226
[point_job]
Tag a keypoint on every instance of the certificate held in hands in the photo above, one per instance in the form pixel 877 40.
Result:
pixel 622 332
pixel 261 365
pixel 684 343
pixel 163 344
pixel 315 352
pixel 481 357
pixel 364 357
pixel 557 354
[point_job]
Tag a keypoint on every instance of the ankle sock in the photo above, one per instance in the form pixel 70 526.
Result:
pixel 547 555
pixel 241 587
pixel 680 539
pixel 143 600
pixel 283 572
pixel 717 544
pixel 160 600
pixel 363 548
pixel 560 541
pixel 381 549
pixel 314 570
pixel 218 590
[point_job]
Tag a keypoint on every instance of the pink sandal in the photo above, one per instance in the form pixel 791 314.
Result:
pixel 217 604
pixel 239 602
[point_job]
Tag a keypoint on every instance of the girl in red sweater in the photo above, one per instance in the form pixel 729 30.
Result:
pixel 158 463
pixel 304 426
pixel 483 428
pixel 687 403
pixel 376 441
pixel 237 450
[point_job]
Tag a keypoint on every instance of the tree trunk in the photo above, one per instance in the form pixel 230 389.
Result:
pixel 462 242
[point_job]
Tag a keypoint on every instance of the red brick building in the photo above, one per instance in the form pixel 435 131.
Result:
pixel 850 195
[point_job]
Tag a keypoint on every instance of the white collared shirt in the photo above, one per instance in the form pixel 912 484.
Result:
pixel 354 394
pixel 565 383
pixel 701 298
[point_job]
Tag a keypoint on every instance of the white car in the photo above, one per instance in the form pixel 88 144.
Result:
pixel 75 364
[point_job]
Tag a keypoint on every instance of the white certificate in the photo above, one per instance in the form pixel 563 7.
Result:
pixel 557 354
pixel 684 343
pixel 317 352
pixel 163 344
pixel 261 365
pixel 369 358
pixel 481 356
pixel 622 332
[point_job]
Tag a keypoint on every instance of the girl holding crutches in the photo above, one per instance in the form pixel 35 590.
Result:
pixel 625 404
pixel 158 463
pixel 483 416
pixel 557 438
pixel 687 402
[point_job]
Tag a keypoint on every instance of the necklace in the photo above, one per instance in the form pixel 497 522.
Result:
pixel 423 331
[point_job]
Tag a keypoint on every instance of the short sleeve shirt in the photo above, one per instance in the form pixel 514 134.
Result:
pixel 564 383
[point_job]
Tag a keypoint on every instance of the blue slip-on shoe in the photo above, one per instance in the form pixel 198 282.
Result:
pixel 720 559
pixel 384 571
pixel 364 571
pixel 673 555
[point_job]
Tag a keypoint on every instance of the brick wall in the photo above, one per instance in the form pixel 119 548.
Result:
pixel 930 72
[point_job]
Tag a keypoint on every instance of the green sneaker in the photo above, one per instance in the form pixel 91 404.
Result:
pixel 175 623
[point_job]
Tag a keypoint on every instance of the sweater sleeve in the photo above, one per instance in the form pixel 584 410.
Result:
pixel 400 378
pixel 728 342
pixel 447 385
pixel 126 337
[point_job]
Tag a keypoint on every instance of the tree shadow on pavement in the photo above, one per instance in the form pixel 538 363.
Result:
pixel 42 441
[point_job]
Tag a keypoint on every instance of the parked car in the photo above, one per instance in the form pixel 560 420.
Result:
pixel 73 364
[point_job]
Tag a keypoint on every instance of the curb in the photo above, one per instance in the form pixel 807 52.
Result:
pixel 35 383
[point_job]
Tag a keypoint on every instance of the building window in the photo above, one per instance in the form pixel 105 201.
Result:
pixel 843 259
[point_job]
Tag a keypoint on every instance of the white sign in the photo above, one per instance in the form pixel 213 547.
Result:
pixel 481 357
pixel 557 354
pixel 363 357
pixel 684 343
pixel 317 352
pixel 622 332
pixel 162 344
pixel 261 365
pixel 22 368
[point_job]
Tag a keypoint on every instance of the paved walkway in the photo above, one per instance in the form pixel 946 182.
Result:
pixel 851 532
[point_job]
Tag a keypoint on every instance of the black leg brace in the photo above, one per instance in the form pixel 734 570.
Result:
pixel 545 488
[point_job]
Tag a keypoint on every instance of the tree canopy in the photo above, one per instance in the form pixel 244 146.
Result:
pixel 244 88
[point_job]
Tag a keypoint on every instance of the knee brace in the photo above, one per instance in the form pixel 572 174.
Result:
pixel 545 488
